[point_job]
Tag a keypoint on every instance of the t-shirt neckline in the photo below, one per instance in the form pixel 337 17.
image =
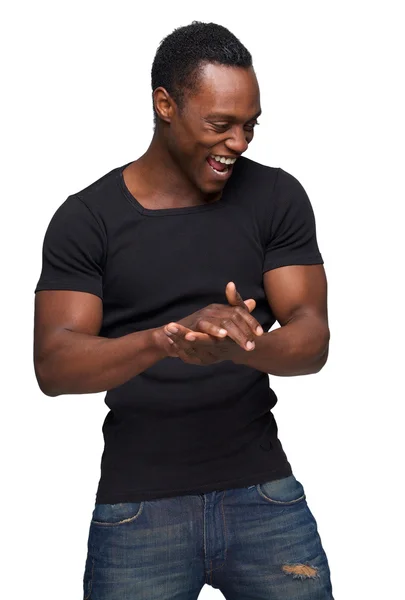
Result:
pixel 167 211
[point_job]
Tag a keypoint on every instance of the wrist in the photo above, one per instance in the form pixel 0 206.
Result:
pixel 160 343
pixel 237 354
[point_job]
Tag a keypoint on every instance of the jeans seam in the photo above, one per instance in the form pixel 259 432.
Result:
pixel 226 546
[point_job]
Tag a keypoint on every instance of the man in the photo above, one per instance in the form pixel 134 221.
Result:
pixel 159 285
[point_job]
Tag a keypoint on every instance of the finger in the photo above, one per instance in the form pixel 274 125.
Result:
pixel 239 331
pixel 211 329
pixel 235 299
pixel 252 323
pixel 242 327
pixel 187 355
pixel 178 332
pixel 185 350
pixel 250 304
pixel 233 296
pixel 239 298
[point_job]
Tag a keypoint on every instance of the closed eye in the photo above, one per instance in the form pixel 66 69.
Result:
pixel 252 126
pixel 225 126
pixel 221 126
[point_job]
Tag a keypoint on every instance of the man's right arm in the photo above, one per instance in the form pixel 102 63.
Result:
pixel 70 357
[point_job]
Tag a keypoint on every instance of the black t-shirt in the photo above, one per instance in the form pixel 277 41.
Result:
pixel 179 428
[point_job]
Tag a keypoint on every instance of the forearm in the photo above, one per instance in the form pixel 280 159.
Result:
pixel 298 348
pixel 77 363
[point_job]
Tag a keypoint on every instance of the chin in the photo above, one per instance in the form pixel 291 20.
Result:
pixel 211 187
pixel 212 191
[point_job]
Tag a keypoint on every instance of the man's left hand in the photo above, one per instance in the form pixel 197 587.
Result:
pixel 199 348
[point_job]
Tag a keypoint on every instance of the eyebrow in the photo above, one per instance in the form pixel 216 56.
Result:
pixel 229 117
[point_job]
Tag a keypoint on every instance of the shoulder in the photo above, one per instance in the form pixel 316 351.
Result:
pixel 266 185
pixel 252 171
pixel 100 196
pixel 258 173
pixel 96 205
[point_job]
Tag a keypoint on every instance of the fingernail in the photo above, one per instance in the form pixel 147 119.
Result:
pixel 259 330
pixel 191 338
pixel 172 328
pixel 223 331
pixel 250 345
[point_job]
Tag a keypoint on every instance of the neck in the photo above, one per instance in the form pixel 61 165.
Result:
pixel 162 176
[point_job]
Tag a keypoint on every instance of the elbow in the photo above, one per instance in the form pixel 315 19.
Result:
pixel 45 358
pixel 322 357
pixel 44 380
pixel 49 392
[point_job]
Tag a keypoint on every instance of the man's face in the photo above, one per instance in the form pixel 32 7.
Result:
pixel 217 121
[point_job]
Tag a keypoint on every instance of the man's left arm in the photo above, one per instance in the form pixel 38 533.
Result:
pixel 297 296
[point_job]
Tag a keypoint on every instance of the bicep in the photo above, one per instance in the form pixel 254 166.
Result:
pixel 60 311
pixel 297 289
pixel 69 292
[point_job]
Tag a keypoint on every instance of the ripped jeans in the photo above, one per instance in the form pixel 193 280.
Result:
pixel 255 543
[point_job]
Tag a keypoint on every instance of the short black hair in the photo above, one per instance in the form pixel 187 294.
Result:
pixel 181 55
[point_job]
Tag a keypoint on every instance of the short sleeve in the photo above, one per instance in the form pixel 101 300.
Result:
pixel 292 230
pixel 73 250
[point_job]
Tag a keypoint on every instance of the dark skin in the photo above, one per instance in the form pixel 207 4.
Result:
pixel 218 343
pixel 173 172
pixel 218 118
pixel 296 294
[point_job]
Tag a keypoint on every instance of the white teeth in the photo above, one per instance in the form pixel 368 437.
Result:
pixel 223 160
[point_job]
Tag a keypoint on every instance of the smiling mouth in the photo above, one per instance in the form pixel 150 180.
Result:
pixel 220 164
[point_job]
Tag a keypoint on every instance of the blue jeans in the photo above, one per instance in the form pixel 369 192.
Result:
pixel 254 543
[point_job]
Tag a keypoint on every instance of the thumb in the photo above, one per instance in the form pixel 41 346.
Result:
pixel 232 294
pixel 235 299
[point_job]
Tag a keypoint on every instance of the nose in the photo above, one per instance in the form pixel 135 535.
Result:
pixel 238 142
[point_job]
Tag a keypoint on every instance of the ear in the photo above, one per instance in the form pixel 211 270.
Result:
pixel 164 104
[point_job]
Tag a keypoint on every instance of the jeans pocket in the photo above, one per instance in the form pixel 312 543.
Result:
pixel 112 515
pixel 283 492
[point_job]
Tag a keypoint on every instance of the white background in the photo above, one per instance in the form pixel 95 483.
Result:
pixel 76 103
